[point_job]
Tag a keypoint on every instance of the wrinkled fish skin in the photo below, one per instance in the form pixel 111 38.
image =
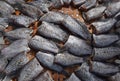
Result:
pixel 30 11
pixel 115 77
pixel 84 74
pixel 46 59
pixel 67 2
pixel 52 31
pixel 15 2
pixel 112 9
pixel 88 4
pixel 77 46
pixel 67 59
pixel 57 3
pixel 53 17
pixel 3 63
pixel 75 27
pixel 21 20
pixel 103 26
pixel 43 5
pixel 3 22
pixel 15 48
pixel 104 40
pixel 16 63
pixel 102 54
pixel 78 2
pixel 94 13
pixel 5 9
pixel 73 77
pixel 104 69
pixel 17 34
pixel 30 71
pixel 40 43
pixel 44 77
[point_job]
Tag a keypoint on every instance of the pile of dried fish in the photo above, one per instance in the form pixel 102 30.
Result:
pixel 59 40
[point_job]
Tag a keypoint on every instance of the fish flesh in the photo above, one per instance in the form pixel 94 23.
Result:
pixel 66 59
pixel 15 48
pixel 102 54
pixel 77 46
pixel 30 71
pixel 40 43
pixel 104 40
pixel 52 31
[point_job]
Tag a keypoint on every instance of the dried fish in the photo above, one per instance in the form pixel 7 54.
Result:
pixel 115 77
pixel 77 46
pixel 78 2
pixel 52 31
pixel 30 71
pixel 73 77
pixel 67 2
pixel 40 43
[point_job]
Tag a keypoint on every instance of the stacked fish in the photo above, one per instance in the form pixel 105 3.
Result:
pixel 60 41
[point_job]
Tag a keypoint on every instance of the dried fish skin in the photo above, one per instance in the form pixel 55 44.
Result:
pixel 73 77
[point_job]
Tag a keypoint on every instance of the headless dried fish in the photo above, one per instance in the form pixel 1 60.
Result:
pixel 40 43
pixel 104 40
pixel 75 27
pixel 5 9
pixel 46 59
pixel 78 2
pixel 67 59
pixel 53 17
pixel 77 46
pixel 88 4
pixel 16 63
pixel 52 31
pixel 84 74
pixel 73 77
pixel 30 71
pixel 104 69
pixel 67 2
pixel 103 26
pixel 19 33
pixel 44 77
pixel 102 54
pixel 94 13
pixel 15 48
pixel 57 3
pixel 31 11
pixel 115 77
pixel 112 9
pixel 21 20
